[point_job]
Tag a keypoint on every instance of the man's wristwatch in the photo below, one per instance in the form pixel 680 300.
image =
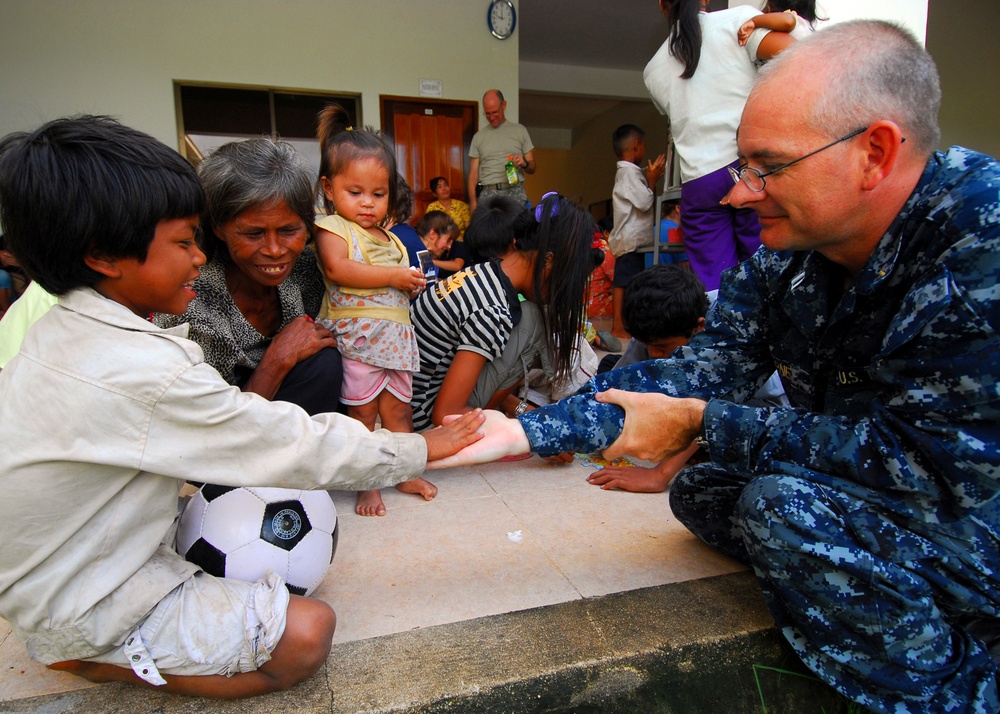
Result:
pixel 521 408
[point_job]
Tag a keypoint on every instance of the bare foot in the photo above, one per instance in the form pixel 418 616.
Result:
pixel 418 485
pixel 370 504
pixel 637 479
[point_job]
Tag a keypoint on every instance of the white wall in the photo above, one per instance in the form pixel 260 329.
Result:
pixel 120 57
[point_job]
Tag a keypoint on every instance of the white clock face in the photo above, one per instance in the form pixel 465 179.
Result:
pixel 501 19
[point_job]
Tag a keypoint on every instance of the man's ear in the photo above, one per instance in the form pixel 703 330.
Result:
pixel 700 326
pixel 107 267
pixel 884 139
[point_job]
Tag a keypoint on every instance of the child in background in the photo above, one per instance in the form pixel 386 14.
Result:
pixel 632 204
pixel 804 10
pixel 369 284
pixel 670 232
pixel 478 340
pixel 664 307
pixel 397 223
pixel 9 264
pixel 106 218
pixel 796 17
pixel 436 231
pixel 6 291
pixel 455 257
pixel 602 279
pixel 490 233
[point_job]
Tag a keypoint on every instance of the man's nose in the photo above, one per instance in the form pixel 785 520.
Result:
pixel 742 196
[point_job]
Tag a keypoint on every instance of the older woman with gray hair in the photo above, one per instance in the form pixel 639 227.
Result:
pixel 259 290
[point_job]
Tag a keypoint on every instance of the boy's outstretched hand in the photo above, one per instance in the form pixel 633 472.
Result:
pixel 456 434
pixel 500 437
pixel 640 479
pixel 655 170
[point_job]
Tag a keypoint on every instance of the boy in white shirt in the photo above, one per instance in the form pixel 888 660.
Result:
pixel 105 416
pixel 632 204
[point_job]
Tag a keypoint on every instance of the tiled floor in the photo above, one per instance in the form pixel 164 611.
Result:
pixel 498 538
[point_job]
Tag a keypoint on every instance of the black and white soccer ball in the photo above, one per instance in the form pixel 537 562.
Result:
pixel 243 532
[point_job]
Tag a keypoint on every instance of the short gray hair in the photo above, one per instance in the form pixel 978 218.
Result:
pixel 250 173
pixel 877 70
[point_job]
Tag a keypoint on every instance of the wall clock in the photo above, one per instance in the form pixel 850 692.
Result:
pixel 501 17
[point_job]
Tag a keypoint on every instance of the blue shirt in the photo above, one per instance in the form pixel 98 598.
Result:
pixel 894 382
pixel 409 237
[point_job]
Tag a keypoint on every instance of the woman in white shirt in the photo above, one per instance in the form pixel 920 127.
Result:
pixel 700 78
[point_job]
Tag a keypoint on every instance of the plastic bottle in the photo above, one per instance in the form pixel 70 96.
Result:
pixel 511 170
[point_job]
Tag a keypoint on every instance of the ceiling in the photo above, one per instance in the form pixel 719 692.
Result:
pixel 619 34
pixel 583 33
pixel 614 34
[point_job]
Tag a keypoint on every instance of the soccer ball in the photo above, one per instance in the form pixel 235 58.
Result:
pixel 243 532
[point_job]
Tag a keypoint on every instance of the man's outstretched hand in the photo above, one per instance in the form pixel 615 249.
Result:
pixel 656 426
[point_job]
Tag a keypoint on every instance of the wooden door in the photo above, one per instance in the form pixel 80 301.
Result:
pixel 431 138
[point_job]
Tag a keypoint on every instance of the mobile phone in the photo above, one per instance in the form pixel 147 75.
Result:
pixel 427 264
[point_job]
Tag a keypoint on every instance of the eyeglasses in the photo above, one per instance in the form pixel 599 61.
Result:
pixel 754 179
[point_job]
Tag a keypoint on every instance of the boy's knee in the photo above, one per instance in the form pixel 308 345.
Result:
pixel 305 644
pixel 320 634
pixel 315 624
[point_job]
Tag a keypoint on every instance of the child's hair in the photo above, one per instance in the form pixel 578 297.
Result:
pixel 806 9
pixel 88 185
pixel 340 144
pixel 663 301
pixel 623 136
pixel 490 233
pixel 667 207
pixel 241 175
pixel 558 227
pixel 434 221
pixel 435 181
pixel 404 202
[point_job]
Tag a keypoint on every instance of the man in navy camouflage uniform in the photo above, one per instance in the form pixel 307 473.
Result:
pixel 869 509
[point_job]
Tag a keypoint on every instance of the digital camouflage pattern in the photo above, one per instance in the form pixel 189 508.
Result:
pixel 868 509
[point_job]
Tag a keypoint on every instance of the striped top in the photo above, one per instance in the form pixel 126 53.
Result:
pixel 474 309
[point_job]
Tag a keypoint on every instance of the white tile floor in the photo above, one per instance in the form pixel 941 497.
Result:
pixel 498 538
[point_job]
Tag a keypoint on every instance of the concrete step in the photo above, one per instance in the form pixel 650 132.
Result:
pixel 706 645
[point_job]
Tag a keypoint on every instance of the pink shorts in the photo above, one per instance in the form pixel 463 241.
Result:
pixel 364 382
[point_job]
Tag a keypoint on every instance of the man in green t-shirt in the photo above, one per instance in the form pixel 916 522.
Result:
pixel 491 147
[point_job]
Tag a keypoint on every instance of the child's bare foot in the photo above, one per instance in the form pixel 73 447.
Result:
pixel 370 504
pixel 418 485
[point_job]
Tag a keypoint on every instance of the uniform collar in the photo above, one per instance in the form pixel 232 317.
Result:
pixel 884 259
